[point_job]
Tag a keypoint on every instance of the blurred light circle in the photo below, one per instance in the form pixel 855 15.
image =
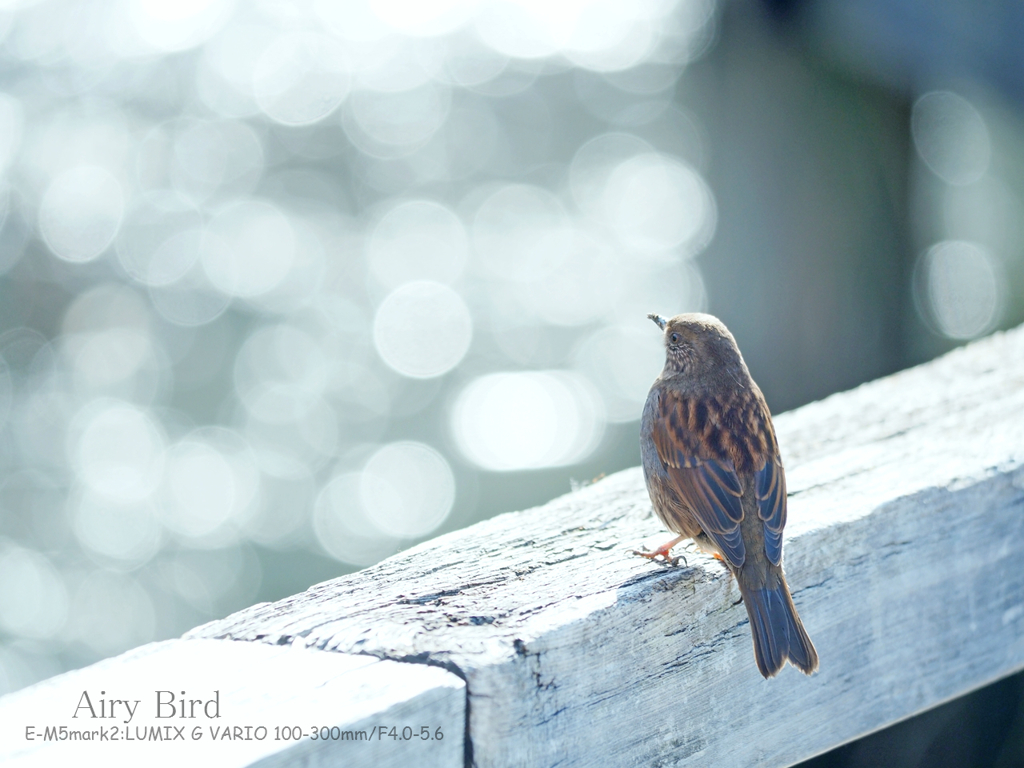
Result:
pixel 317 142
pixel 963 288
pixel 211 157
pixel 524 341
pixel 580 289
pixel 103 306
pixel 598 34
pixel 622 361
pixel 472 65
pixel 342 527
pixel 208 578
pixel 280 372
pixel 190 300
pixel 674 285
pixel 153 156
pixel 524 30
pixel 249 249
pixel 301 286
pixel 692 29
pixel 179 25
pixel 200 489
pixel 23 350
pixel 476 142
pixel 611 35
pixel 422 329
pixel 986 212
pixel 363 399
pixel 126 533
pixel 111 356
pixel 389 124
pixel 159 239
pixel 417 240
pixel 355 22
pixel 301 78
pixel 521 232
pixel 199 154
pixel 318 430
pixel 111 612
pixel 118 450
pixel 233 449
pixel 280 517
pixel 397 64
pixel 33 601
pixel 80 213
pixel 192 587
pixel 951 137
pixel 594 162
pixel 226 64
pixel 309 437
pixel 529 420
pixel 422 19
pixel 174 257
pixel 407 489
pixel 655 202
pixel 74 134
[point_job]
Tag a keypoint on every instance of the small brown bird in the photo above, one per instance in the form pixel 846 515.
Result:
pixel 714 474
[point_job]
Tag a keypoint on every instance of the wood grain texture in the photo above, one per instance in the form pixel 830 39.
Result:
pixel 905 554
pixel 258 685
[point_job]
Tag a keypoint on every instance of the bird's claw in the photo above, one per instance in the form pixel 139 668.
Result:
pixel 663 553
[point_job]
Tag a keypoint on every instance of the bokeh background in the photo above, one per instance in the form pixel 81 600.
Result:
pixel 288 287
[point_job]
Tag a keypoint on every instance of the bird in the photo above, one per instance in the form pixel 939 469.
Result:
pixel 714 474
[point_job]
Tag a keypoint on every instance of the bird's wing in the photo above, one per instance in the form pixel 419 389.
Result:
pixel 770 487
pixel 688 440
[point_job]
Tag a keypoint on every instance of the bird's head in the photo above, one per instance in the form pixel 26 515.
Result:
pixel 698 344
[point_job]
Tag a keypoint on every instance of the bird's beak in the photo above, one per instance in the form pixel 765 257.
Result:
pixel 659 320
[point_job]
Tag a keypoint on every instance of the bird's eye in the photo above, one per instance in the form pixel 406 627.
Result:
pixel 674 338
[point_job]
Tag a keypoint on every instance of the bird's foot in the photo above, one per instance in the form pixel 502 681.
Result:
pixel 673 561
pixel 663 552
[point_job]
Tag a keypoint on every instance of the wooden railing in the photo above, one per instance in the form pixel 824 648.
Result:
pixel 536 638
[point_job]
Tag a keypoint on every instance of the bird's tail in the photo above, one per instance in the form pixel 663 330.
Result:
pixel 778 632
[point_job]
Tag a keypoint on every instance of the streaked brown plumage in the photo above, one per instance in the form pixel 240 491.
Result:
pixel 714 473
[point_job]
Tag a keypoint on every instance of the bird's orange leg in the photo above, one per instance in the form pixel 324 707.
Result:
pixel 663 550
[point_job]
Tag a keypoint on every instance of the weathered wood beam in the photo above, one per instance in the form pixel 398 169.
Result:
pixel 904 550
